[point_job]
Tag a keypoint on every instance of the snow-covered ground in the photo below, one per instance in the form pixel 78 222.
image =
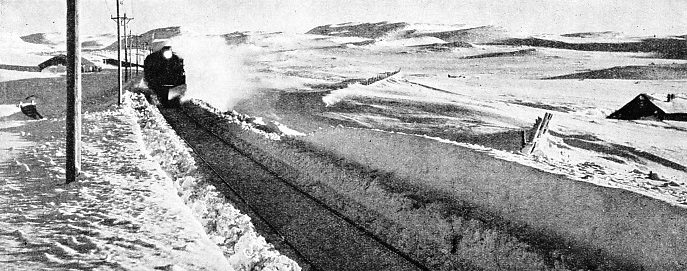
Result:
pixel 123 211
pixel 101 222
pixel 474 97
pixel 488 96
pixel 138 203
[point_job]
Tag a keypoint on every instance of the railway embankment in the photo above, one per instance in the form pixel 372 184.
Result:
pixel 432 232
pixel 601 226
pixel 453 207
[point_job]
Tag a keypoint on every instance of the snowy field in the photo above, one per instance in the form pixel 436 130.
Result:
pixel 300 84
pixel 479 97
pixel 482 101
pixel 124 212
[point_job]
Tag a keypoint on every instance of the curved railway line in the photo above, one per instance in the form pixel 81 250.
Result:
pixel 300 226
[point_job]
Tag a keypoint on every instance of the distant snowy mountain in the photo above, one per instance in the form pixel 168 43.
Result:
pixel 402 30
pixel 57 39
pixel 432 35
pixel 10 41
pixel 151 35
pixel 18 55
pixel 597 35
pixel 97 41
pixel 363 30
pixel 668 47
pixel 54 38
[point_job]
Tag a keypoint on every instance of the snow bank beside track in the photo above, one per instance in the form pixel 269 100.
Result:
pixel 429 232
pixel 228 227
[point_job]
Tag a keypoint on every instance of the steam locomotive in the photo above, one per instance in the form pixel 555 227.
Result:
pixel 164 70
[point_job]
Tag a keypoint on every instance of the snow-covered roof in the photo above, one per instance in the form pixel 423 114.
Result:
pixel 676 105
pixel 62 59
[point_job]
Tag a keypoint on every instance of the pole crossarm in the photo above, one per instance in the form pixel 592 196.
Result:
pixel 122 21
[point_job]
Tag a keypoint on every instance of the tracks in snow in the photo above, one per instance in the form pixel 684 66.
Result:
pixel 299 225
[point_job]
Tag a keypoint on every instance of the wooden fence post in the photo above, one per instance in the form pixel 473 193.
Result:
pixel 541 126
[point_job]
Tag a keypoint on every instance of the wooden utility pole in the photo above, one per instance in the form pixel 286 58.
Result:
pixel 73 92
pixel 131 54
pixel 126 52
pixel 138 46
pixel 126 49
pixel 119 56
pixel 120 21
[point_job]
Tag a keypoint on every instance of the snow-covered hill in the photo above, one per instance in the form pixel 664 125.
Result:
pixel 58 40
pixel 429 33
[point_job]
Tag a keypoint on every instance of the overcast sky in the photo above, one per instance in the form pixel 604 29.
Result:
pixel 637 17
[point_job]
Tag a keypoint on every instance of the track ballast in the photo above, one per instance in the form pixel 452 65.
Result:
pixel 299 225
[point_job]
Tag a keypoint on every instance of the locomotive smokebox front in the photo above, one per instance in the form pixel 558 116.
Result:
pixel 163 70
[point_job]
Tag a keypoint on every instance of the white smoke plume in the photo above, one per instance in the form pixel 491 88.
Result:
pixel 215 71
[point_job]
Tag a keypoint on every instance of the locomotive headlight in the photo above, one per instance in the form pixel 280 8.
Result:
pixel 167 54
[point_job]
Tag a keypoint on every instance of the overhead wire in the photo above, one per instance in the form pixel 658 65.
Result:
pixel 127 7
pixel 108 7
pixel 133 8
pixel 128 10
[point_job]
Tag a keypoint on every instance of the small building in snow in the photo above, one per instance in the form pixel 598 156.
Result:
pixel 86 65
pixel 654 106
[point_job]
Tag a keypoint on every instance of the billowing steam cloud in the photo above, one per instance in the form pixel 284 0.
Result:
pixel 215 71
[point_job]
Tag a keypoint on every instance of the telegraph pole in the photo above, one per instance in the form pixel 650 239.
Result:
pixel 138 45
pixel 131 54
pixel 120 21
pixel 126 52
pixel 126 48
pixel 119 56
pixel 73 92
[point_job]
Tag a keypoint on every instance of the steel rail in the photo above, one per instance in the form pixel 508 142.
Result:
pixel 283 180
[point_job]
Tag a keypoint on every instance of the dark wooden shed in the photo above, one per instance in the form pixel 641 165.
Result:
pixel 654 106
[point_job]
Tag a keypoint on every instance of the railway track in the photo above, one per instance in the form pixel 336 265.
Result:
pixel 299 225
